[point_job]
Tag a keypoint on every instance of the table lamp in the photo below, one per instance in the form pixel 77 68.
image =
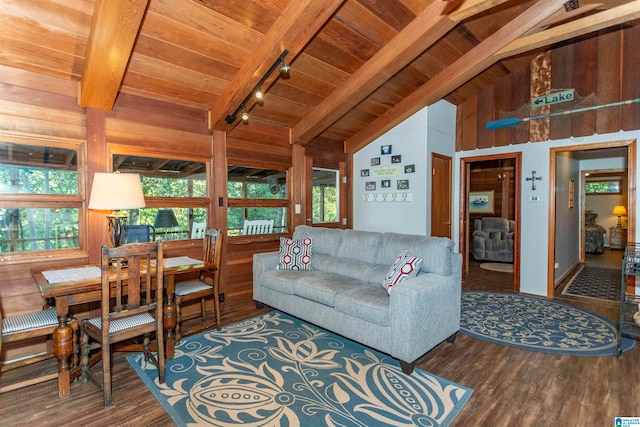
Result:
pixel 116 191
pixel 165 218
pixel 619 210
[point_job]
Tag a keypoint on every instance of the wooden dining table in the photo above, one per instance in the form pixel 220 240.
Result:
pixel 79 285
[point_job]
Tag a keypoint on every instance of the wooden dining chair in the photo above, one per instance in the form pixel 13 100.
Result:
pixel 131 306
pixel 30 326
pixel 206 285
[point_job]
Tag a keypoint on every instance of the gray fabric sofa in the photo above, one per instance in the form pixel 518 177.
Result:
pixel 493 239
pixel 344 292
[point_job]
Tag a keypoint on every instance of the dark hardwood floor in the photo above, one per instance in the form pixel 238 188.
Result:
pixel 512 387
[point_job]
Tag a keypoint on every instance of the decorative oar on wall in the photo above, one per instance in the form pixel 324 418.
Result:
pixel 514 121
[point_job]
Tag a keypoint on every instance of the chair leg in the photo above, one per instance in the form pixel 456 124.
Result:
pixel 84 356
pixel 216 309
pixel 106 374
pixel 203 309
pixel 178 334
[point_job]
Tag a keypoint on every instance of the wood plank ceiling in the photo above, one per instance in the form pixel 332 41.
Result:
pixel 358 67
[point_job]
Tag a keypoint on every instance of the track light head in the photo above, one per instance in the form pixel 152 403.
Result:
pixel 284 69
pixel 259 93
pixel 245 115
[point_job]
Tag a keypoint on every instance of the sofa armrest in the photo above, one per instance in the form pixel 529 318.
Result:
pixel 265 261
pixel 424 311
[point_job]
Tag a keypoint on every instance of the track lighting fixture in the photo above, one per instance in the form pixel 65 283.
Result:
pixel 284 69
pixel 257 90
pixel 245 115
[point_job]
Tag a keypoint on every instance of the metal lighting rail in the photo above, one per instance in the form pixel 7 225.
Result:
pixel 232 117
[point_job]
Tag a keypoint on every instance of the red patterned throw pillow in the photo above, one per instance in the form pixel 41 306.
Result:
pixel 295 254
pixel 403 268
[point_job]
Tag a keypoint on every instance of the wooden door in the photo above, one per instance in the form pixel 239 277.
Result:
pixel 440 195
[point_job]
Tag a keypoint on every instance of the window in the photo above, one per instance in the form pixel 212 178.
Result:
pixel 175 193
pixel 325 195
pixel 609 186
pixel 40 198
pixel 256 194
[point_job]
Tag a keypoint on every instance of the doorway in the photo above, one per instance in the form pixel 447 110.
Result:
pixel 567 229
pixel 494 183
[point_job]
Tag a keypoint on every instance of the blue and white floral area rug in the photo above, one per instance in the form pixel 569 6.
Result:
pixel 274 370
pixel 538 324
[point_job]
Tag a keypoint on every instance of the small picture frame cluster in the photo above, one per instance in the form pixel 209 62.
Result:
pixel 396 159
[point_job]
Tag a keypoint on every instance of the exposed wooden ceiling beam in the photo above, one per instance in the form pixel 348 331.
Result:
pixel 470 8
pixel 114 29
pixel 466 67
pixel 426 29
pixel 298 24
pixel 608 18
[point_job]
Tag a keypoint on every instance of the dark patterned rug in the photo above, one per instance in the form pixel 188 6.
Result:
pixel 595 282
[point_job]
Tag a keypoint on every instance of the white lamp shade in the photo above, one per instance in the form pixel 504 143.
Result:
pixel 113 191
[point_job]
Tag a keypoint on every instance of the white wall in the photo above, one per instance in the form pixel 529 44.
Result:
pixel 432 129
pixel 567 243
pixel 603 204
pixel 534 229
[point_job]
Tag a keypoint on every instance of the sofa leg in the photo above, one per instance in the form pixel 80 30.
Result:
pixel 452 338
pixel 407 367
pixel 259 305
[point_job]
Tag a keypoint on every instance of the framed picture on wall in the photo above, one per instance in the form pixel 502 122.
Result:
pixel 403 184
pixel 375 161
pixel 481 202
pixel 370 185
pixel 364 172
pixel 385 149
pixel 396 159
pixel 571 190
pixel 385 183
pixel 409 168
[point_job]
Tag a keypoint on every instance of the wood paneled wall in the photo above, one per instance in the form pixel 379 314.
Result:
pixel 35 105
pixel 606 64
pixel 252 144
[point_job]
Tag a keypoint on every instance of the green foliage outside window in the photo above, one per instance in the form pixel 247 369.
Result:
pixel 325 204
pixel 603 187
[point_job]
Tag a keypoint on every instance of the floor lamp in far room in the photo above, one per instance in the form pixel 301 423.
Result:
pixel 115 192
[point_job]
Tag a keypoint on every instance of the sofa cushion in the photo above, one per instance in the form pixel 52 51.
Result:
pixel 369 303
pixel 295 254
pixel 351 268
pixel 325 240
pixel 403 268
pixel 323 288
pixel 436 252
pixel 360 245
pixel 282 280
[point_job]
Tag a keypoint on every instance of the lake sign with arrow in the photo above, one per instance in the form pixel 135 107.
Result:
pixel 553 98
